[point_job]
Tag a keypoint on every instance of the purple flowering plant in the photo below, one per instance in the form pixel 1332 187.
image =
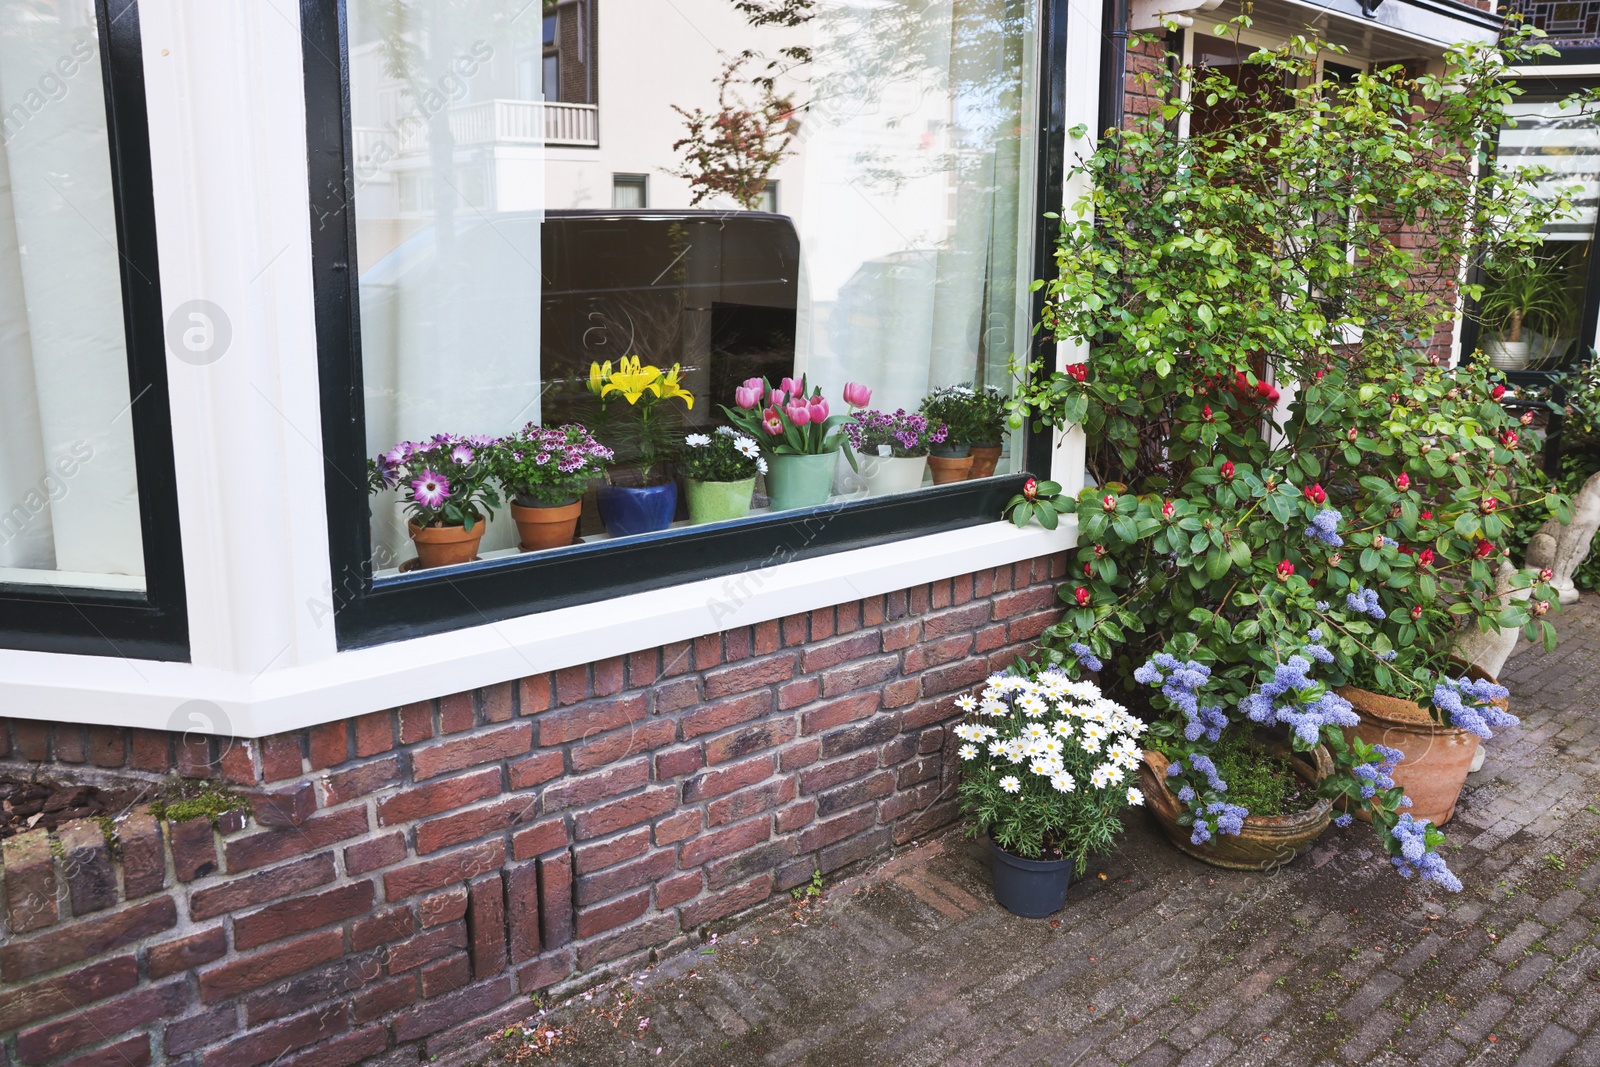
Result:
pixel 543 466
pixel 904 434
pixel 446 480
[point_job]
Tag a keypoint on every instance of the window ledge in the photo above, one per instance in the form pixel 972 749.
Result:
pixel 182 697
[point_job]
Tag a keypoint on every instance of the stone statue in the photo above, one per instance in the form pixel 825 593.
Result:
pixel 1489 651
pixel 1562 548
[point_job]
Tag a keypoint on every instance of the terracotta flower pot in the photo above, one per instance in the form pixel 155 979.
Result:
pixel 442 546
pixel 984 460
pixel 1437 757
pixel 950 468
pixel 1267 841
pixel 541 526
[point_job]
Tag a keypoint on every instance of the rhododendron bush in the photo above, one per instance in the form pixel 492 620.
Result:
pixel 1289 494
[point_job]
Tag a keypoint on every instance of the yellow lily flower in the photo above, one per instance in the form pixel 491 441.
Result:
pixel 670 387
pixel 598 376
pixel 632 380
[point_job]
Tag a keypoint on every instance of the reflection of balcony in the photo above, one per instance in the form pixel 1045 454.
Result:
pixel 489 122
pixel 1570 23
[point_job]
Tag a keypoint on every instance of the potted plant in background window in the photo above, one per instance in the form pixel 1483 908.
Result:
pixel 544 473
pixel 801 439
pixel 894 448
pixel 1046 768
pixel 1524 302
pixel 987 430
pixel 643 429
pixel 445 483
pixel 956 407
pixel 719 474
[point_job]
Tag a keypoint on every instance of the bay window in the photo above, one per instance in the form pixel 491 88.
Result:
pixel 484 256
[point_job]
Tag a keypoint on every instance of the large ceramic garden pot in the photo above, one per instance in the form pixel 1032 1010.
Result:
pixel 984 460
pixel 626 510
pixel 953 464
pixel 1437 757
pixel 442 546
pixel 886 475
pixel 718 501
pixel 544 525
pixel 1506 355
pixel 1029 888
pixel 1266 842
pixel 795 481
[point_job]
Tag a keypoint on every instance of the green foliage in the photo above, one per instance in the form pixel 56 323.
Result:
pixel 191 798
pixel 1039 500
pixel 1258 778
pixel 974 416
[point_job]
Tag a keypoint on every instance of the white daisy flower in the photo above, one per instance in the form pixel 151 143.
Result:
pixel 1011 784
pixel 998 748
pixel 1032 706
pixel 761 464
pixel 969 732
pixel 746 447
pixel 1042 767
pixel 1089 744
pixel 697 440
pixel 1063 782
pixel 1053 745
pixel 966 702
pixel 1086 691
pixel 1100 777
pixel 1062 728
pixel 727 431
pixel 994 707
pixel 1093 731
pixel 1016 751
pixel 1135 797
pixel 1036 747
pixel 1035 731
pixel 991 692
pixel 1113 774
pixel 967 751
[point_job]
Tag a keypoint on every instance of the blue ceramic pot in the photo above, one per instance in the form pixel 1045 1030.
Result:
pixel 628 511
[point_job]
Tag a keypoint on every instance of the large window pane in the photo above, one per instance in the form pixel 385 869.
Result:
pixel 69 501
pixel 530 201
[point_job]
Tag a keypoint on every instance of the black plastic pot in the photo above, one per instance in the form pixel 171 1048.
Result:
pixel 1029 888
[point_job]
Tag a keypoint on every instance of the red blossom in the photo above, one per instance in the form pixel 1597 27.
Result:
pixel 1416 612
pixel 1509 438
pixel 1081 595
pixel 1030 490
pixel 1484 549
pixel 1316 494
pixel 1546 575
pixel 1285 569
pixel 1427 514
pixel 1167 510
pixel 1403 482
pixel 1109 502
pixel 1077 371
pixel 1497 392
pixel 1425 558
pixel 1490 504
pixel 1227 470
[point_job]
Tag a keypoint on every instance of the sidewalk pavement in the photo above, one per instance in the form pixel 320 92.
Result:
pixel 1159 960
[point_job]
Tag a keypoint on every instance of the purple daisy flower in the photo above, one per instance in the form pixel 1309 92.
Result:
pixel 461 454
pixel 430 490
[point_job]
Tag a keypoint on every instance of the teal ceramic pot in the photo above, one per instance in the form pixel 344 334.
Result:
pixel 800 481
pixel 718 501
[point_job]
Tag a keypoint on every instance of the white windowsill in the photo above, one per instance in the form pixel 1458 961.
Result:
pixel 142 693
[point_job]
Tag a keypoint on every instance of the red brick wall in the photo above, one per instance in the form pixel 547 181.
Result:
pixel 402 881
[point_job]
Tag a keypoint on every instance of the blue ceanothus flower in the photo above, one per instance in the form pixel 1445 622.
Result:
pixel 1279 701
pixel 1365 602
pixel 1085 656
pixel 1470 705
pixel 1181 685
pixel 1417 858
pixel 1325 527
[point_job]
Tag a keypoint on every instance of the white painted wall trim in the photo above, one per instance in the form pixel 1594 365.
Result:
pixel 241 703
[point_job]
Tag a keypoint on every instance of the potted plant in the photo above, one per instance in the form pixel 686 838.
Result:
pixel 643 428
pixel 544 472
pixel 1522 294
pixel 1046 766
pixel 719 474
pixel 445 484
pixel 893 446
pixel 800 438
pixel 976 420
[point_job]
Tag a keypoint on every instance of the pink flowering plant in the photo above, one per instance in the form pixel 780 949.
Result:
pixel 1047 763
pixel 793 417
pixel 447 480
pixel 904 434
pixel 548 466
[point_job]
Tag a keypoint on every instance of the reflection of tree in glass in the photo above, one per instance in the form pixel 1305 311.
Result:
pixel 734 150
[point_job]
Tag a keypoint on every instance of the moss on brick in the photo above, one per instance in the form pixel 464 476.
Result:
pixel 183 799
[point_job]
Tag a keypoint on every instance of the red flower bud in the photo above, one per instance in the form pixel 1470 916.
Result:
pixel 1484 549
pixel 1082 596
pixel 1407 550
pixel 1227 470
pixel 1498 391
pixel 1489 504
pixel 1333 560
pixel 1352 434
pixel 1425 558
pixel 1205 414
pixel 1167 510
pixel 1285 569
pixel 1416 612
pixel 1099 551
pixel 1525 418
pixel 1427 514
pixel 1403 482
pixel 1030 490
pixel 1320 373
pixel 1088 570
pixel 1547 575
pixel 1316 494
pixel 1509 438
pixel 1077 371
pixel 1109 502
pixel 1541 606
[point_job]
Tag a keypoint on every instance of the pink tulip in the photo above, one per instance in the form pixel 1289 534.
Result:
pixel 772 422
pixel 799 412
pixel 747 398
pixel 754 383
pixel 857 395
pixel 776 398
pixel 819 409
pixel 789 386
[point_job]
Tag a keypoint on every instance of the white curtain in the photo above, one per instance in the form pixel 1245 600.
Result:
pixel 918 149
pixel 449 196
pixel 67 488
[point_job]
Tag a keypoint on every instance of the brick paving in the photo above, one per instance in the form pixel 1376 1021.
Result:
pixel 1158 960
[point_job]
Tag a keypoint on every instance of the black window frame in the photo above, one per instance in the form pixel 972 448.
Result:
pixel 420 603
pixel 153 624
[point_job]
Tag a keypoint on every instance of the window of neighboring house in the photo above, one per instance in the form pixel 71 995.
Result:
pixel 630 191
pixel 1553 301
pixel 550 80
pixel 490 276
pixel 89 553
